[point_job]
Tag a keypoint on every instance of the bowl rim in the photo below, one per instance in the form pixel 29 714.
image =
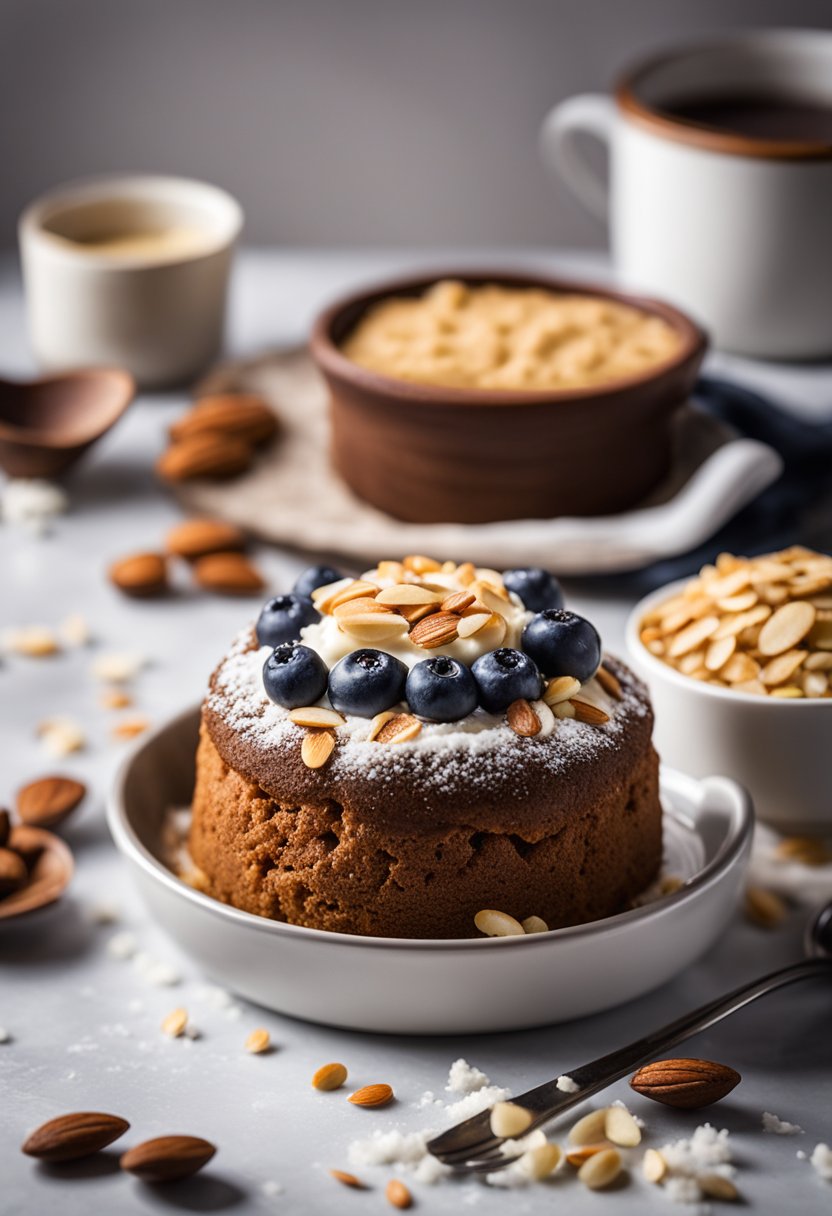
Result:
pixel 641 655
pixel 736 842
pixel 327 353
pixel 138 186
pixel 35 437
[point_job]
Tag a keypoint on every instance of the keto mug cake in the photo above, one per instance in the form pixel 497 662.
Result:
pixel 392 755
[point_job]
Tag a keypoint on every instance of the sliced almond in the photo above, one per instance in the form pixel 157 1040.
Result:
pixel 130 728
pixel 819 660
pixel 316 748
pixel 316 715
pixel 492 635
pixel 473 623
pixel 407 595
pixel 609 683
pixel 782 667
pixel 734 623
pixel 418 612
pixel 539 1162
pixel 786 627
pixel 466 573
pixel 508 1120
pixel 740 668
pixel 737 603
pixel 33 641
pixel 561 688
pixel 789 692
pixel 654 1166
pixel 601 1170
pixel 258 1041
pixel 535 924
pixel 522 719
pixel 401 728
pixel 585 711
pixel 457 602
pixel 378 721
pixel 577 1156
pixel 589 1129
pixel 719 652
pixel 439 629
pixel 389 572
pixel 419 564
pixel 397 1194
pixel 372 628
pixel 175 1022
pixel 715 1186
pixel 329 596
pixel 489 596
pixel 362 604
pixel 693 636
pixel 498 924
pixel 621 1128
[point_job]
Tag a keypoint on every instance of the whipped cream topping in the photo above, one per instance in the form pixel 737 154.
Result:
pixel 329 639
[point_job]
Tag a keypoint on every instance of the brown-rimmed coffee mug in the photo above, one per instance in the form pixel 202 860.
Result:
pixel 734 227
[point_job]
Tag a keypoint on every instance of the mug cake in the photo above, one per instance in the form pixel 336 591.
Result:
pixel 392 754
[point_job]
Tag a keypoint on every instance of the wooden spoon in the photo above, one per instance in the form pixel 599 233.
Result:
pixel 47 424
pixel 48 879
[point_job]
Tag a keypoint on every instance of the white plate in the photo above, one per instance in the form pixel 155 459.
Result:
pixel 407 986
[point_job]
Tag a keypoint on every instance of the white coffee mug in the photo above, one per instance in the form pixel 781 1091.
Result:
pixel 157 308
pixel 737 229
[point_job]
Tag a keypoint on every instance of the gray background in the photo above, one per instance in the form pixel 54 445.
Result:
pixel 335 122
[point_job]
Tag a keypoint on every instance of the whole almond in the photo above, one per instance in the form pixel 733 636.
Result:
pixel 13 872
pixel 242 415
pixel 27 842
pixel 329 1077
pixel 167 1158
pixel 209 455
pixel 522 719
pixel 398 1195
pixel 685 1083
pixel 140 574
pixel 586 712
pixel 228 574
pixel 372 1095
pixel 198 537
pixel 46 802
pixel 72 1136
pixel 347 1179
pixel 438 629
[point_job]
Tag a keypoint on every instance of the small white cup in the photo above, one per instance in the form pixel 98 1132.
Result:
pixel 159 313
pixel 734 230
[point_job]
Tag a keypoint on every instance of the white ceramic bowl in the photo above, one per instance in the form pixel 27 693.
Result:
pixel 159 314
pixel 777 748
pixel 437 987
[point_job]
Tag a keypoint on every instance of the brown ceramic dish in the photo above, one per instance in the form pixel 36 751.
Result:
pixel 429 454
pixel 48 424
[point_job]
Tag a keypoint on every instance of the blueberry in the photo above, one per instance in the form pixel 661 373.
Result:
pixel 283 618
pixel 314 577
pixel 366 682
pixel 538 589
pixel 563 644
pixel 503 676
pixel 441 689
pixel 294 675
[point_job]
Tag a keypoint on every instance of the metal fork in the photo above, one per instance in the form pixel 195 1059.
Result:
pixel 471 1147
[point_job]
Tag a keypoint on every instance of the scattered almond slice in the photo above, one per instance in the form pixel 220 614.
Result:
pixel 692 636
pixel 590 1129
pixel 472 624
pixel 373 628
pixel 408 595
pixel 401 728
pixel 317 747
pixel 32 641
pixel 115 698
pixel 535 924
pixel 508 1120
pixel 654 1166
pixel 316 715
pixel 258 1042
pixel 786 627
pixel 174 1023
pixel 498 924
pixel 61 737
pixel 621 1128
pixel 130 728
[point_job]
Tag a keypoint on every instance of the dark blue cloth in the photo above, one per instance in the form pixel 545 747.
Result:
pixel 796 509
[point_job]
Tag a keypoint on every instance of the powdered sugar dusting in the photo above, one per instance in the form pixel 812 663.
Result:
pixel 239 699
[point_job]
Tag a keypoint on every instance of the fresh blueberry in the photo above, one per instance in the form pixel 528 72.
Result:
pixel 283 618
pixel 441 689
pixel 503 676
pixel 366 682
pixel 563 644
pixel 314 577
pixel 537 588
pixel 294 675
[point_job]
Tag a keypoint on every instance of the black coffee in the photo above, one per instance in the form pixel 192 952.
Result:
pixel 758 117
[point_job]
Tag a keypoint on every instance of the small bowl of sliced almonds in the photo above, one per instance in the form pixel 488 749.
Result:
pixel 739 665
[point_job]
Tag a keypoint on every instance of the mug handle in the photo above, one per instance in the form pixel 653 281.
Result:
pixel 586 114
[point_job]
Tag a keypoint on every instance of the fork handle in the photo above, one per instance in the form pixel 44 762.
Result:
pixel 547 1100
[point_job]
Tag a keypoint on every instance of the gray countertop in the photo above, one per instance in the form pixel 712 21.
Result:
pixel 83 1026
